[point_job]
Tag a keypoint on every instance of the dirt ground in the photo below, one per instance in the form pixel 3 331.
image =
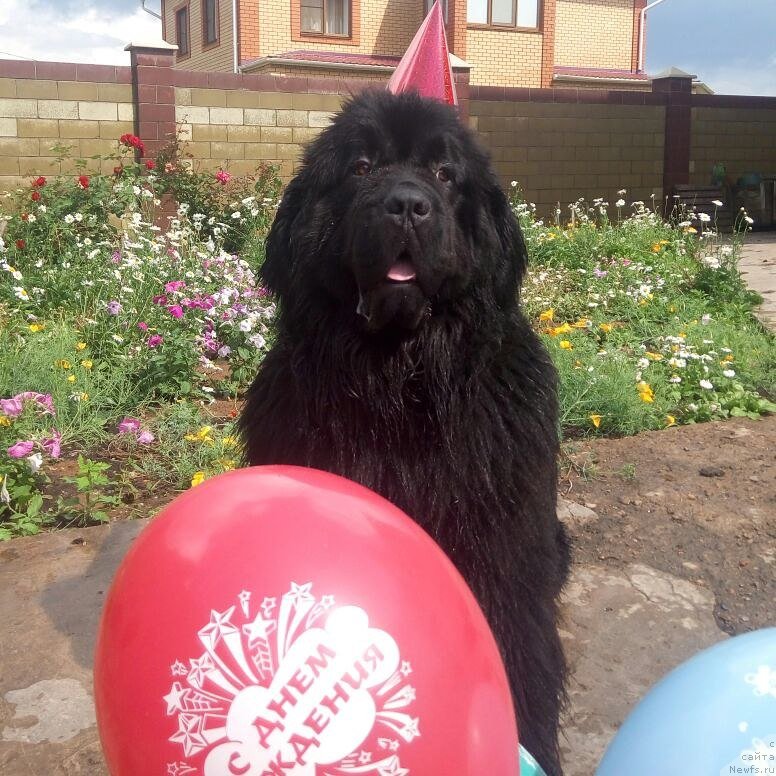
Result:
pixel 698 502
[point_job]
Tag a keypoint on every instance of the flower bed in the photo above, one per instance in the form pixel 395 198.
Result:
pixel 124 346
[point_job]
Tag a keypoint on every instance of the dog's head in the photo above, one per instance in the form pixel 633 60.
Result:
pixel 394 216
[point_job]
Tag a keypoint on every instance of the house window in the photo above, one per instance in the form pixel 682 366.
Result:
pixel 504 13
pixel 325 17
pixel 182 31
pixel 427 7
pixel 209 22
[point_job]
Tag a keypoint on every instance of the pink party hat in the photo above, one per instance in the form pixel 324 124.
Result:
pixel 425 66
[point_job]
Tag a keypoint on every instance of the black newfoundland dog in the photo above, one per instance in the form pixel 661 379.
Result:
pixel 403 362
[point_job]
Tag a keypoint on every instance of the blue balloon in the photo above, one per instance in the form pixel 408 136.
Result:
pixel 714 715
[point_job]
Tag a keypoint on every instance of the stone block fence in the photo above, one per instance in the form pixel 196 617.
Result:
pixel 559 144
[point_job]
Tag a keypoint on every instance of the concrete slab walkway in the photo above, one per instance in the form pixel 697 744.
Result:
pixel 758 268
pixel 52 588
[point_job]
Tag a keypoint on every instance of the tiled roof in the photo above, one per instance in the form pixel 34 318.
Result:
pixel 334 57
pixel 599 72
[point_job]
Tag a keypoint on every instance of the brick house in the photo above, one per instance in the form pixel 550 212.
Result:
pixel 529 43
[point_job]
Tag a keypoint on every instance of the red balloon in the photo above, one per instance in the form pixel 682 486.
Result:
pixel 281 621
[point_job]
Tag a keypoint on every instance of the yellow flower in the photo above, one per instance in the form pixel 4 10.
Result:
pixel 681 334
pixel 645 392
pixel 596 420
pixel 728 357
pixel 229 441
pixel 198 479
pixel 83 396
pixel 653 356
pixel 691 230
pixel 87 363
pixel 5 420
pixel 605 327
pixel 566 345
pixel 656 248
pixel 80 345
pixel 227 464
pixel 670 421
pixel 546 315
pixel 203 435
pixel 71 378
pixel 564 328
pixel 671 309
pixel 63 363
pixel 36 327
pixel 582 323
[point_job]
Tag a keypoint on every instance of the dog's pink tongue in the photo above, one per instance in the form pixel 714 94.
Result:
pixel 401 271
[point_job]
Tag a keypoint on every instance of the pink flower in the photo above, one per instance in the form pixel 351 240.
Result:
pixel 129 426
pixel 143 326
pixel 176 311
pixel 159 299
pixel 174 285
pixel 53 446
pixel 14 406
pixel 145 437
pixel 223 177
pixel 114 307
pixel 21 449
pixel 154 340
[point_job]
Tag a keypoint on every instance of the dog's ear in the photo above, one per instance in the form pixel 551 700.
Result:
pixel 513 257
pixel 280 257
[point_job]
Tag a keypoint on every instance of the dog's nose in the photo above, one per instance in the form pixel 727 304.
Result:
pixel 407 202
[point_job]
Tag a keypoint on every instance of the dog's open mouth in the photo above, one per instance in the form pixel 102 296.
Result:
pixel 402 270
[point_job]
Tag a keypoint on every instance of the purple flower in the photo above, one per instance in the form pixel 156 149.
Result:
pixel 224 351
pixel 129 426
pixel 145 437
pixel 176 311
pixel 262 292
pixel 599 273
pixel 53 446
pixel 21 449
pixel 114 307
pixel 154 340
pixel 116 257
pixel 143 326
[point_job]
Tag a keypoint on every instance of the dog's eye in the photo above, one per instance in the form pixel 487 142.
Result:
pixel 443 175
pixel 362 167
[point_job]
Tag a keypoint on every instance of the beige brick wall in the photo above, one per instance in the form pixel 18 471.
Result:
pixel 504 58
pixel 558 152
pixel 217 58
pixel 387 27
pixel 744 140
pixel 36 115
pixel 594 33
pixel 239 130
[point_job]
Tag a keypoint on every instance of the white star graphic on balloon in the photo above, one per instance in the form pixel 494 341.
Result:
pixel 393 768
pixel 268 604
pixel 299 594
pixel 174 699
pixel 199 669
pixel 411 730
pixel 365 757
pixel 327 601
pixel 189 734
pixel 178 668
pixel 258 630
pixel 406 668
pixel 243 598
pixel 218 627
pixel 173 769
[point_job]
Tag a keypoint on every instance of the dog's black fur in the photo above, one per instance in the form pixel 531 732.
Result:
pixel 434 392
